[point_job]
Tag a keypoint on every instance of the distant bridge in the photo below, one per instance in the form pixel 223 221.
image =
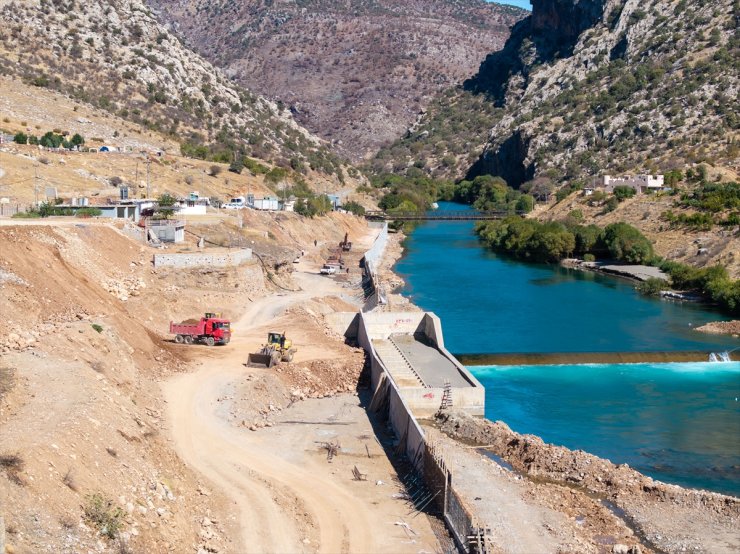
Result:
pixel 439 215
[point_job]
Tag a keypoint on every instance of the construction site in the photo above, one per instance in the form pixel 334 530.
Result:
pixel 238 399
pixel 249 380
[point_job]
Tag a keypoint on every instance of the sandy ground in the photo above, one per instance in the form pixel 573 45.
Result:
pixel 288 498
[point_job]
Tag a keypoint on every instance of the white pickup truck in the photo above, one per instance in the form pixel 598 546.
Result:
pixel 329 270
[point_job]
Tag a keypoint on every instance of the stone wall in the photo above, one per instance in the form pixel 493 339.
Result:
pixel 200 259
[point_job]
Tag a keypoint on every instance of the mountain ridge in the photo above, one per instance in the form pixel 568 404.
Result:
pixel 356 73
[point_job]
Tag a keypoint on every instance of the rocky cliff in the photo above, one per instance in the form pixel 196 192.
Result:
pixel 588 87
pixel 356 73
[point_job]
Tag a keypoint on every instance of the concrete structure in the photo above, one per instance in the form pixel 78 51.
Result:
pixel 335 201
pixel 408 347
pixel 166 230
pixel 125 209
pixel 371 261
pixel 641 183
pixel 223 258
pixel 268 203
pixel 193 204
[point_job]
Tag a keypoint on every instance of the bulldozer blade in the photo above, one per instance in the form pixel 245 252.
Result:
pixel 260 360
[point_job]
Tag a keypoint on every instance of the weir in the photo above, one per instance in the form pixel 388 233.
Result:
pixel 556 358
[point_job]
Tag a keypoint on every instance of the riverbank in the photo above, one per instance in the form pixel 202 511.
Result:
pixel 641 521
pixel 666 518
pixel 635 272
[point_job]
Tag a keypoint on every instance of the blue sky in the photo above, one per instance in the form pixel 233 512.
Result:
pixel 519 3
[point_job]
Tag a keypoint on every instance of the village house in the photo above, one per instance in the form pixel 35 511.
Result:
pixel 641 183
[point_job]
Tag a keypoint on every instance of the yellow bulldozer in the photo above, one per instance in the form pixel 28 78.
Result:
pixel 278 349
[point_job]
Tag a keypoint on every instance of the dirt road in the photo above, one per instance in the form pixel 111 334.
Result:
pixel 285 502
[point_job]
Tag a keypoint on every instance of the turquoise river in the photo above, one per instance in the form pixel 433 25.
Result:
pixel 677 422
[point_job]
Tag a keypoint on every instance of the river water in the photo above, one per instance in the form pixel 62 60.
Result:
pixel 679 423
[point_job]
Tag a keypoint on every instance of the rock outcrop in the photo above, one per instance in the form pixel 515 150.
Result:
pixel 587 87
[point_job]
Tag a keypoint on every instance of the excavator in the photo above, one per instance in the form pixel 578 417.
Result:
pixel 278 349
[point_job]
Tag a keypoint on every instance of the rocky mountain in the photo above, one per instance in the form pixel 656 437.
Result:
pixel 583 88
pixel 116 56
pixel 355 72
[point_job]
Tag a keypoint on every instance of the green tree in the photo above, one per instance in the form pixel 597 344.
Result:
pixel 525 203
pixel 623 192
pixel 627 244
pixel 77 140
pixel 354 207
pixel 236 166
pixel 21 138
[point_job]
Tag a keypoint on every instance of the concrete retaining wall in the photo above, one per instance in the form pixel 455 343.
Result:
pixel 458 518
pixel 402 421
pixel 220 259
pixel 371 262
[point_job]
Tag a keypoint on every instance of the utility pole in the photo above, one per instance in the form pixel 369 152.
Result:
pixel 148 161
pixel 136 180
pixel 36 183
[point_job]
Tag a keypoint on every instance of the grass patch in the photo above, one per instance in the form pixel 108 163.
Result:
pixel 103 514
pixel 12 464
pixel 26 215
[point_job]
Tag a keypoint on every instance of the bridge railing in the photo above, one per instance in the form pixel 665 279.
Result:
pixel 441 215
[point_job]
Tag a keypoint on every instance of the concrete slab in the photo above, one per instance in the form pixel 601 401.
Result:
pixel 430 364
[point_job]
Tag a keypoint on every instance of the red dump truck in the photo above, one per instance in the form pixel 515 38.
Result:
pixel 209 330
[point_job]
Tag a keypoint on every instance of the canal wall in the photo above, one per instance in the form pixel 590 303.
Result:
pixel 201 259
pixel 403 409
pixel 370 263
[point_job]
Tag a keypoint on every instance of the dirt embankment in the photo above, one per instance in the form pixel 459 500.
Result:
pixel 83 445
pixel 668 517
pixel 721 328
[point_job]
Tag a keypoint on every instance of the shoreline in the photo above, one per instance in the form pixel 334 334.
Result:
pixel 652 507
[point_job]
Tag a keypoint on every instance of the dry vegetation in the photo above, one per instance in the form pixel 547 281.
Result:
pixel 118 58
pixel 355 73
pixel 607 88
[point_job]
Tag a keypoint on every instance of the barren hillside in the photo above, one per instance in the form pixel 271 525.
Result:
pixel 34 111
pixel 85 460
pixel 118 58
pixel 355 73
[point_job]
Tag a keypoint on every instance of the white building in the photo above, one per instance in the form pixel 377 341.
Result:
pixel 267 203
pixel 641 183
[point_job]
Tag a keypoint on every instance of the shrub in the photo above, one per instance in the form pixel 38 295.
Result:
pixel 12 465
pixel 652 286
pixel 236 166
pixel 88 212
pixel 276 175
pixel 354 207
pixel 626 244
pixel 215 170
pixel 589 258
pixel 21 138
pixel 104 515
pixel 26 215
pixel 623 193
pixel 97 327
pixel 611 204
